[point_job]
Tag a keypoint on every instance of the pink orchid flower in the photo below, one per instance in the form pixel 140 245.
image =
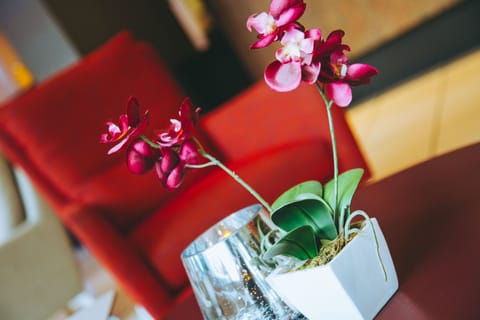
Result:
pixel 180 129
pixel 178 147
pixel 131 126
pixel 270 26
pixel 336 73
pixel 294 61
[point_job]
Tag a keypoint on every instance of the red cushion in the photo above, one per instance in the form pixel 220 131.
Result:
pixel 124 198
pixel 165 234
pixel 53 130
pixel 277 118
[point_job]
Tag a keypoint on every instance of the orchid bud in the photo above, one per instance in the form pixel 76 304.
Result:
pixel 189 152
pixel 141 157
pixel 170 169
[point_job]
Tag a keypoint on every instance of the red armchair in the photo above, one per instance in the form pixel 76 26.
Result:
pixel 132 225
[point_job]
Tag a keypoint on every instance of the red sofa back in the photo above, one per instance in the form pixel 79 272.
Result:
pixel 53 130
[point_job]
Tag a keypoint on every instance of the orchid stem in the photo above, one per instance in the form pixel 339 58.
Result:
pixel 328 105
pixel 214 161
pixel 201 166
pixel 150 142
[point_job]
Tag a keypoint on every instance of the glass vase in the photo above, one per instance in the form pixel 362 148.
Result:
pixel 227 278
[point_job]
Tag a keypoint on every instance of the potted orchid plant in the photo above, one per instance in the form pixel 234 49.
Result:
pixel 341 259
pixel 326 263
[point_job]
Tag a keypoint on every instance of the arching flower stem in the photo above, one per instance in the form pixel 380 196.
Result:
pixel 328 105
pixel 214 161
pixel 150 142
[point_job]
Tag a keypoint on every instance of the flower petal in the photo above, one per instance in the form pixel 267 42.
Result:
pixel 169 169
pixel 283 77
pixel 361 72
pixel 138 130
pixel 170 160
pixel 189 115
pixel 264 41
pixel 133 111
pixel 287 11
pixel 260 22
pixel 310 72
pixel 119 146
pixel 314 34
pixel 339 92
pixel 174 178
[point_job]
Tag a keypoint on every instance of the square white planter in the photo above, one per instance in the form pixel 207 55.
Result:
pixel 351 286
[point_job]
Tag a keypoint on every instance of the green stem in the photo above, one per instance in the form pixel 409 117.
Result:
pixel 150 142
pixel 201 166
pixel 232 174
pixel 215 162
pixel 328 105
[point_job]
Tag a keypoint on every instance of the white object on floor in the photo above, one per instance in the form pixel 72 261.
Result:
pixel 142 314
pixel 99 310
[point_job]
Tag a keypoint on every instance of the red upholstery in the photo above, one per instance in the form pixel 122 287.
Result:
pixel 262 118
pixel 132 225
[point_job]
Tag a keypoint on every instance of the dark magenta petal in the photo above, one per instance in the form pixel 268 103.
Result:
pixel 170 160
pixel 158 169
pixel 189 152
pixel 189 115
pixel 264 41
pixel 333 43
pixel 291 14
pixel 336 36
pixel 277 7
pixel 138 130
pixel 144 149
pixel 339 92
pixel 133 111
pixel 310 72
pixel 283 77
pixel 174 178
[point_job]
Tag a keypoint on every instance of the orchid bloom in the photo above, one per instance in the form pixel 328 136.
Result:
pixel 131 125
pixel 182 128
pixel 336 73
pixel 294 61
pixel 176 151
pixel 178 147
pixel 270 26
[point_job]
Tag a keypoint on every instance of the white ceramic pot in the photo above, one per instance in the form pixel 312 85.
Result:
pixel 351 286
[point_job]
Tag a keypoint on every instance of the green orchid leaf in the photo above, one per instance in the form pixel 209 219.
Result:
pixel 311 210
pixel 299 243
pixel 311 186
pixel 347 185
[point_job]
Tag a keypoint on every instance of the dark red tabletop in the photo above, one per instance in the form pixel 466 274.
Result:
pixel 430 216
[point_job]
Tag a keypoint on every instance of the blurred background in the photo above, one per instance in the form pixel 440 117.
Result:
pixel 205 42
pixel 423 103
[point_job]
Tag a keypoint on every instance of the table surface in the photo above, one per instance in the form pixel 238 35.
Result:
pixel 430 216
